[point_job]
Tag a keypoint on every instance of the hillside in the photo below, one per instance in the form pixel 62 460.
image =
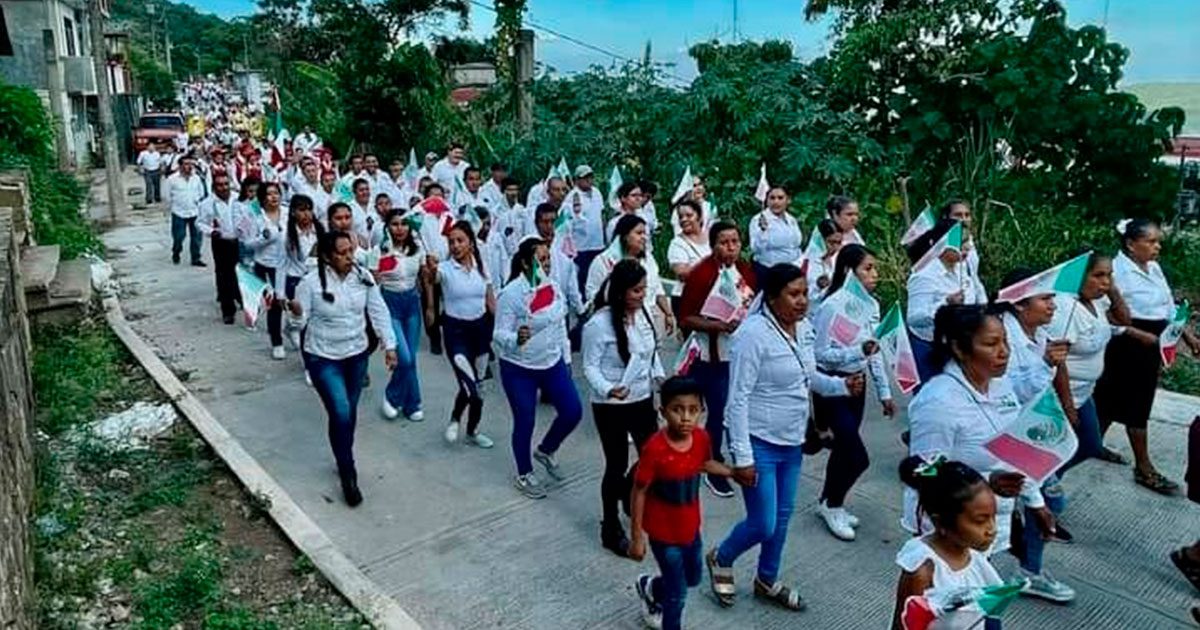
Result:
pixel 1185 95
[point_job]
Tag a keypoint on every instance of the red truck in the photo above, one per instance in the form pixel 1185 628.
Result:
pixel 157 127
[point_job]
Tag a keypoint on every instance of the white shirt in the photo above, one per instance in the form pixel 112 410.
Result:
pixel 265 237
pixel 547 343
pixel 587 223
pixel 779 242
pixel 769 380
pixel 405 275
pixel 149 160
pixel 949 417
pixel 447 174
pixel 1146 292
pixel 491 191
pixel 227 214
pixel 602 364
pixel 184 195
pixel 978 573
pixel 359 215
pixel 683 251
pixel 495 263
pixel 833 356
pixel 464 291
pixel 510 227
pixel 1089 335
pixel 602 266
pixel 1027 368
pixel 611 228
pixel 928 290
pixel 708 216
pixel 562 272
pixel 297 264
pixel 338 330
pixel 816 269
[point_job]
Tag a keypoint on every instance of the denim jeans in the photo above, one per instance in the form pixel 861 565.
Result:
pixel 713 378
pixel 848 458
pixel 769 507
pixel 403 389
pixel 923 354
pixel 339 382
pixel 1091 444
pixel 679 568
pixel 521 386
pixel 153 186
pixel 180 228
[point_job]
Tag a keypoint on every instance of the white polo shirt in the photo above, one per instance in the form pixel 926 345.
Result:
pixel 464 291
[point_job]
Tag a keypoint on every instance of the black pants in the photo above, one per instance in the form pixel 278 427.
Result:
pixel 615 423
pixel 225 260
pixel 275 313
pixel 433 326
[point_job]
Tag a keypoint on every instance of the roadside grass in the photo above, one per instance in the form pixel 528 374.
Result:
pixel 156 538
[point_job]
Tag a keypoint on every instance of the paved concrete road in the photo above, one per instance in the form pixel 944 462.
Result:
pixel 443 531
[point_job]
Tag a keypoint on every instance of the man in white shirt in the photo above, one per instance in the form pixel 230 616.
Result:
pixel 220 214
pixel 586 207
pixel 149 163
pixel 451 168
pixel 355 172
pixel 309 181
pixel 185 191
pixel 493 189
pixel 511 221
pixel 431 159
pixel 379 180
pixel 470 196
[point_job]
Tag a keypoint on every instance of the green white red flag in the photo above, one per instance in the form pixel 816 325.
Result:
pixel 1039 441
pixel 920 225
pixel 953 239
pixel 1169 339
pixel 962 607
pixel 688 355
pixel 684 188
pixel 255 293
pixel 897 351
pixel 1063 278
pixel 563 234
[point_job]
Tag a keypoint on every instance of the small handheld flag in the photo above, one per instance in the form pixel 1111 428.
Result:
pixel 614 182
pixel 562 170
pixel 688 355
pixel 764 187
pixel 920 225
pixel 1168 341
pixel 254 293
pixel 1039 441
pixel 541 298
pixel 685 186
pixel 953 239
pixel 1063 278
pixel 897 350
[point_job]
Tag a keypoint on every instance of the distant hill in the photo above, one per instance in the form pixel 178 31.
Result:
pixel 1185 95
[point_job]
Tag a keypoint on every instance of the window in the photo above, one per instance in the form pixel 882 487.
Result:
pixel 6 49
pixel 69 36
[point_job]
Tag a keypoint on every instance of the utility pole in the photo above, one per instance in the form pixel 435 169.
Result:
pixel 57 93
pixel 167 36
pixel 112 160
pixel 524 52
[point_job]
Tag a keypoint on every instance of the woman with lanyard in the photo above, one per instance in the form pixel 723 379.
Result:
pixel 688 247
pixel 630 243
pixel 845 323
pixel 844 213
pixel 775 235
pixel 964 407
pixel 467 299
pixel 264 235
pixel 621 363
pixel 399 283
pixel 1125 391
pixel 335 303
pixel 772 370
pixel 534 354
pixel 819 257
pixel 711 333
pixel 1036 363
pixel 941 281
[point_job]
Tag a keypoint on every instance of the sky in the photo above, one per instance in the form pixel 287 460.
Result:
pixel 1163 35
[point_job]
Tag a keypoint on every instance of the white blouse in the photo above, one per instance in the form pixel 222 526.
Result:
pixel 464 291
pixel 548 343
pixel 300 263
pixel 684 251
pixel 977 574
pixel 928 290
pixel 1027 368
pixel 602 364
pixel 265 237
pixel 1089 335
pixel 834 356
pixel 405 275
pixel 602 266
pixel 1146 292
pixel 779 241
pixel 338 330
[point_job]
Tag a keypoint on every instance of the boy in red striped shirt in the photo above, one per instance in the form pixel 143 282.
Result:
pixel 666 503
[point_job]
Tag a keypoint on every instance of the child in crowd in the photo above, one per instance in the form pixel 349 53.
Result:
pixel 666 503
pixel 962 507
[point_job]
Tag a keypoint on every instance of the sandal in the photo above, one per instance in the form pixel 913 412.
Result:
pixel 721 579
pixel 1188 567
pixel 1112 457
pixel 779 594
pixel 1156 482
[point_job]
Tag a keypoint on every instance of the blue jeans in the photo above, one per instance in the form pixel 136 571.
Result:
pixel 403 390
pixel 713 378
pixel 923 354
pixel 1091 444
pixel 769 507
pixel 339 382
pixel 679 568
pixel 181 228
pixel 521 386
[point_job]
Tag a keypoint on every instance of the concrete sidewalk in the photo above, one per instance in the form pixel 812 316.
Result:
pixel 443 531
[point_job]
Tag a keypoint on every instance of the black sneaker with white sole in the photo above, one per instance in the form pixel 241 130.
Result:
pixel 719 486
pixel 651 611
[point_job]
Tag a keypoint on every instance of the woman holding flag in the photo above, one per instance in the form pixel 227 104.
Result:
pixel 844 213
pixel 775 235
pixel 937 279
pixel 622 366
pixel 845 324
pixel 299 257
pixel 263 233
pixel 398 275
pixel 535 355
pixel 823 246
pixel 630 243
pixel 1125 391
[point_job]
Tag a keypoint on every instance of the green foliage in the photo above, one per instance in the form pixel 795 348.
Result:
pixel 26 135
pixel 451 51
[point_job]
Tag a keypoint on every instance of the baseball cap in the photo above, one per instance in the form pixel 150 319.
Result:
pixel 583 170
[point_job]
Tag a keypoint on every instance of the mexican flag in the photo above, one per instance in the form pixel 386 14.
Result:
pixel 815 250
pixel 684 188
pixel 953 239
pixel 563 236
pixel 411 169
pixel 1064 278
pixel 764 187
pixel 958 607
pixel 1039 441
pixel 726 302
pixel 922 224
pixel 689 353
pixel 1169 339
pixel 562 170
pixel 897 351
pixel 256 294
pixel 852 304
pixel 542 295
pixel 614 182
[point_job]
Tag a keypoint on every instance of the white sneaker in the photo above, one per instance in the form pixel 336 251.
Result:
pixel 416 416
pixel 294 337
pixel 851 519
pixel 307 378
pixel 529 486
pixel 835 522
pixel 452 432
pixel 480 440
pixel 1046 587
pixel 388 410
pixel 278 353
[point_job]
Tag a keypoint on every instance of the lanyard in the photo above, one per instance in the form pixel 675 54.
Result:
pixel 791 344
pixel 971 394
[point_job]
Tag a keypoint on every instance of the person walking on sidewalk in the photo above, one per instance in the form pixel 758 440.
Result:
pixel 534 354
pixel 220 215
pixel 335 304
pixel 185 191
pixel 622 366
pixel 150 164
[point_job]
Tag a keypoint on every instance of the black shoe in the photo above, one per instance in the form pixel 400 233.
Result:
pixel 199 263
pixel 366 381
pixel 353 496
pixel 175 259
pixel 613 538
pixel 1061 535
pixel 719 486
pixel 435 348
pixel 228 319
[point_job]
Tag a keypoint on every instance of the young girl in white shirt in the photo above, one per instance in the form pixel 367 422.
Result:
pixel 821 259
pixel 399 282
pixel 953 557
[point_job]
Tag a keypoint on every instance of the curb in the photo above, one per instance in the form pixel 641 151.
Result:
pixel 365 595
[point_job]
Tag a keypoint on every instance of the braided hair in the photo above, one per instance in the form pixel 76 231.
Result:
pixel 299 203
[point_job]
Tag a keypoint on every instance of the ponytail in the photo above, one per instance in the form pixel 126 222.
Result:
pixel 943 487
